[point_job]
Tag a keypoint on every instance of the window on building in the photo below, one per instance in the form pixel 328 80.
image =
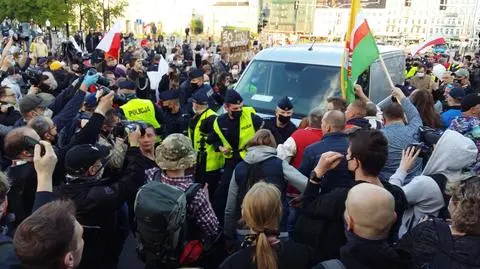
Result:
pixel 437 30
pixel 431 30
pixel 425 21
pixel 443 4
pixel 408 3
pixel 457 31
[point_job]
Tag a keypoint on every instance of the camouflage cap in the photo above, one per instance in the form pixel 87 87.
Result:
pixel 176 153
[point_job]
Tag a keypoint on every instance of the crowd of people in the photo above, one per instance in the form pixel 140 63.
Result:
pixel 91 154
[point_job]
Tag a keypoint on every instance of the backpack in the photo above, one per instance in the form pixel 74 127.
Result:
pixel 161 223
pixel 441 181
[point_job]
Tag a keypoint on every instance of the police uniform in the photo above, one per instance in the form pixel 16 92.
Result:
pixel 187 91
pixel 233 134
pixel 213 161
pixel 137 109
pixel 175 122
pixel 281 133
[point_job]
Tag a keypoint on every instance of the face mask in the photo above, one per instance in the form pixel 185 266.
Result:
pixel 48 113
pixel 429 72
pixel 194 86
pixel 284 119
pixel 167 109
pixel 420 75
pixel 234 72
pixel 236 114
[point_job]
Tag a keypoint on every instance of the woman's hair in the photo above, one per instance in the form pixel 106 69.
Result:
pixel 262 137
pixel 466 210
pixel 423 101
pixel 262 211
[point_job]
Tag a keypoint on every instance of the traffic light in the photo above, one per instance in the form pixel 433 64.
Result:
pixel 264 22
pixel 295 5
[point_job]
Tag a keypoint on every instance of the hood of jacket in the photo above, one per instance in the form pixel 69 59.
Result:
pixel 360 122
pixel 452 153
pixel 360 253
pixel 259 153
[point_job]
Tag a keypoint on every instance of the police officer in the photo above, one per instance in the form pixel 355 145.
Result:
pixel 197 84
pixel 231 132
pixel 280 125
pixel 175 116
pixel 137 109
pixel 200 126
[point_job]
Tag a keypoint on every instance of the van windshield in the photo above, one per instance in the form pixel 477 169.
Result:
pixel 264 83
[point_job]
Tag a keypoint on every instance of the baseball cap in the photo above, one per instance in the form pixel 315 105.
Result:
pixel 169 95
pixel 470 101
pixel 462 73
pixel 175 153
pixel 90 100
pixel 457 93
pixel 30 102
pixel 79 158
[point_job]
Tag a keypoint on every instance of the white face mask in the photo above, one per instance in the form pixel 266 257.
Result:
pixel 234 72
pixel 420 75
pixel 48 113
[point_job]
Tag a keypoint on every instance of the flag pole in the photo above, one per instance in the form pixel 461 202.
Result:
pixel 384 67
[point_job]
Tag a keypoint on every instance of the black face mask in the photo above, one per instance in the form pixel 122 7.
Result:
pixel 167 109
pixel 194 86
pixel 236 114
pixel 284 119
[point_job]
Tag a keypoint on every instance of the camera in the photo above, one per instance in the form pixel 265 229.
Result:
pixel 428 137
pixel 101 80
pixel 131 126
pixel 34 76
pixel 117 99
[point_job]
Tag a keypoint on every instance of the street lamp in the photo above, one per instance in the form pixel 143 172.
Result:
pixel 49 25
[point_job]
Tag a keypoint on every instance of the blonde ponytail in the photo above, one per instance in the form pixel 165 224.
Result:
pixel 262 211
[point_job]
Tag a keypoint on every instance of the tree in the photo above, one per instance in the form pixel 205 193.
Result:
pixel 197 26
pixel 95 14
pixel 57 11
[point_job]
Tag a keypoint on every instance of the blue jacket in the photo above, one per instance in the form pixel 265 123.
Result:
pixel 399 136
pixel 449 115
pixel 339 177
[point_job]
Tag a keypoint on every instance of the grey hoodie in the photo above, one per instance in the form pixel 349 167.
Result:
pixel 452 153
pixel 255 155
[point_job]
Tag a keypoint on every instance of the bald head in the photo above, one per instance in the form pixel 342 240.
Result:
pixel 370 211
pixel 333 121
pixel 15 146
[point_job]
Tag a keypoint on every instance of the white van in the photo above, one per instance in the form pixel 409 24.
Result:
pixel 309 77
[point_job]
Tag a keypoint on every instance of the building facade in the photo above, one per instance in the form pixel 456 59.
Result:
pixel 403 19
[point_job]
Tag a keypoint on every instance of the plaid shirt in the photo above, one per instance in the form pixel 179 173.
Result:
pixel 199 208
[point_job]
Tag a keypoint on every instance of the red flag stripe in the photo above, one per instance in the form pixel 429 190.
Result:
pixel 360 33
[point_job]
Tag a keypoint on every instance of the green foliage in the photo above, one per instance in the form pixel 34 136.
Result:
pixel 197 26
pixel 90 13
pixel 57 11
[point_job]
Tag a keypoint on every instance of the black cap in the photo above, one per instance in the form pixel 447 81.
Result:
pixel 169 95
pixel 285 104
pixel 232 97
pixel 79 158
pixel 196 73
pixel 470 101
pixel 200 98
pixel 127 84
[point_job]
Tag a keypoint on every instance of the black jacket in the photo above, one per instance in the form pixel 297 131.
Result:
pixel 422 244
pixel 97 204
pixel 280 134
pixel 10 117
pixel 290 255
pixel 360 253
pixel 321 223
pixel 23 178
